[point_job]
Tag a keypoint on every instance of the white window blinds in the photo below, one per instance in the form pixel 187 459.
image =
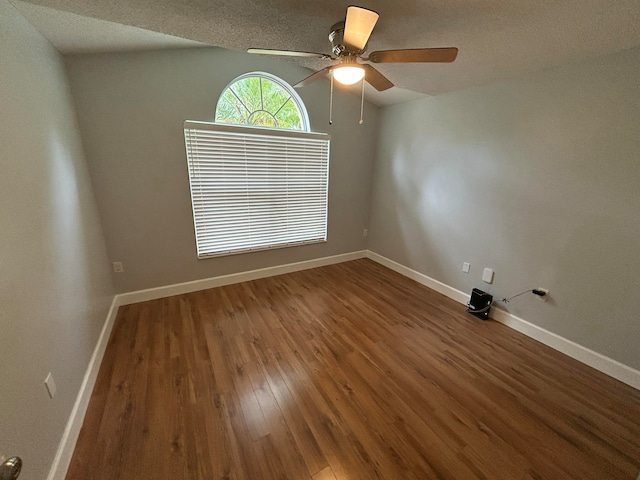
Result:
pixel 255 188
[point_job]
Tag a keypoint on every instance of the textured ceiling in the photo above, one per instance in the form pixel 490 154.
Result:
pixel 71 33
pixel 497 38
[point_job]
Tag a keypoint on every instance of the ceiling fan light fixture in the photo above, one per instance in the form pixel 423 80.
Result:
pixel 348 74
pixel 349 40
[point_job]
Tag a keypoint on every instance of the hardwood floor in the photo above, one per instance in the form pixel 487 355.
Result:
pixel 349 371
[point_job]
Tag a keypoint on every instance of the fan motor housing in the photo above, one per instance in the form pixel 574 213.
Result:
pixel 336 37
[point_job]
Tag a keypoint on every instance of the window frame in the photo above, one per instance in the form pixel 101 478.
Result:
pixel 298 210
pixel 196 191
pixel 304 116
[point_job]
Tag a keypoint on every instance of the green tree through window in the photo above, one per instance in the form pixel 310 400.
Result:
pixel 261 100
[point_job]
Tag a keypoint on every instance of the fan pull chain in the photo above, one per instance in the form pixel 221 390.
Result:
pixel 362 103
pixel 331 102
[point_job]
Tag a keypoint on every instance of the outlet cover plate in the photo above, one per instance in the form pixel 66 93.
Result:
pixel 487 275
pixel 543 299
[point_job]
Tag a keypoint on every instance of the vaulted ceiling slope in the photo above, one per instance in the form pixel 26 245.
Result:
pixel 497 38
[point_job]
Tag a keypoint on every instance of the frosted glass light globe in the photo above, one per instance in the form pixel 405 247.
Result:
pixel 348 75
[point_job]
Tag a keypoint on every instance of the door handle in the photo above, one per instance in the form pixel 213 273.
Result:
pixel 10 468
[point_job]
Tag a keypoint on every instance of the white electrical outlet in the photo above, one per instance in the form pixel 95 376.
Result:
pixel 546 294
pixel 487 275
pixel 118 267
pixel 466 267
pixel 51 385
pixel 365 232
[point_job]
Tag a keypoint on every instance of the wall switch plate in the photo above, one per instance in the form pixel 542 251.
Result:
pixel 487 275
pixel 51 385
pixel 365 232
pixel 466 267
pixel 118 267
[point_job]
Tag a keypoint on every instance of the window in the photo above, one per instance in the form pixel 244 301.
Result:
pixel 257 187
pixel 261 100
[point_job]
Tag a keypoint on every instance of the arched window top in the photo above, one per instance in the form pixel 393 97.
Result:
pixel 262 100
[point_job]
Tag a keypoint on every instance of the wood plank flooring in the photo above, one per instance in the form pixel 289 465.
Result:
pixel 349 371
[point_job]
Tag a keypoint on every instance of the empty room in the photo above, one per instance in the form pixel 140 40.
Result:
pixel 319 241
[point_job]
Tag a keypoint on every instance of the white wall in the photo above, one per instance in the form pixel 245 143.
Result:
pixel 535 177
pixel 55 288
pixel 131 107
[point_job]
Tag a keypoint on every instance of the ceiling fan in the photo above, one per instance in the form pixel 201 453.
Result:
pixel 349 41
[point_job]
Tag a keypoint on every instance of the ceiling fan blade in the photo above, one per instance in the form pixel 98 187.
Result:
pixel 444 55
pixel 358 27
pixel 376 79
pixel 289 53
pixel 313 77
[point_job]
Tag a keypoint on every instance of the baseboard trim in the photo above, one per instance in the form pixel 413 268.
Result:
pixel 67 444
pixel 596 360
pixel 425 280
pixel 600 362
pixel 213 282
